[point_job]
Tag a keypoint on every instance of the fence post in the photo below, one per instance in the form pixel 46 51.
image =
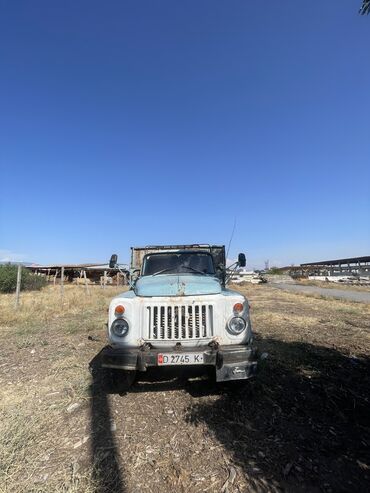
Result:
pixel 62 282
pixel 86 285
pixel 18 288
pixel 105 279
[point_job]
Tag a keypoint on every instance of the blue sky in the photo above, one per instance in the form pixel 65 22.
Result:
pixel 146 122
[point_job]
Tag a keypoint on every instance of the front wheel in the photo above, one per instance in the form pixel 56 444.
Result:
pixel 121 380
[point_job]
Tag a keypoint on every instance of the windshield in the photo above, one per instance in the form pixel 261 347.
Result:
pixel 176 263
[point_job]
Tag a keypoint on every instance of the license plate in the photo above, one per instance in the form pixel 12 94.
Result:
pixel 166 359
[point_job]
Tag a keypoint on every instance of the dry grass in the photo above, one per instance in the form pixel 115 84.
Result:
pixel 47 307
pixel 334 285
pixel 310 318
pixel 41 374
pixel 175 437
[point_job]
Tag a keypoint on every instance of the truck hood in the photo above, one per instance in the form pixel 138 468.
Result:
pixel 177 285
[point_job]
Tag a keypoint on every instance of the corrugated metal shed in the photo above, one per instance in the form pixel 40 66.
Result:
pixel 351 260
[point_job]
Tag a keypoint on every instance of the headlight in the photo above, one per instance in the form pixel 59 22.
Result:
pixel 120 327
pixel 236 325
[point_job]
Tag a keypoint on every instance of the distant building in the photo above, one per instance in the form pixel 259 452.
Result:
pixel 95 273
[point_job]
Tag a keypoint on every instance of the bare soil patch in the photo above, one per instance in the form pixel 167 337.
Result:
pixel 302 425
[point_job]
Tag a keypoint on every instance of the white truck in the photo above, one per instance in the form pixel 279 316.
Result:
pixel 179 313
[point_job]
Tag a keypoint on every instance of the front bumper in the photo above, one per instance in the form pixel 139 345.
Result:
pixel 231 362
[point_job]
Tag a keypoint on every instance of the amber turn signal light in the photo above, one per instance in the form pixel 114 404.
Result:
pixel 119 310
pixel 238 307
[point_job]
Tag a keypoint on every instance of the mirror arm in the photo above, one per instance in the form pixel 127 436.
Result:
pixel 132 281
pixel 233 266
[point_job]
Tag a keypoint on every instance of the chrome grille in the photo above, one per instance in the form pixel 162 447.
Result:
pixel 179 322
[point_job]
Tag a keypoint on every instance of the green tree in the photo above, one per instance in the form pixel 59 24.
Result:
pixel 275 270
pixel 365 8
pixel 29 281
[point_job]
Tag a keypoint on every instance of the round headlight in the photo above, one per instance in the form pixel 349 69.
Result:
pixel 120 327
pixel 236 325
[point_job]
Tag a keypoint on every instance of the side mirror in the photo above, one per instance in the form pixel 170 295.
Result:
pixel 113 261
pixel 241 260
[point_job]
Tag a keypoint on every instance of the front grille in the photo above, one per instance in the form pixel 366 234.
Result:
pixel 182 322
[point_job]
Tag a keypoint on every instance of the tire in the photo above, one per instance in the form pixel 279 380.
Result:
pixel 121 380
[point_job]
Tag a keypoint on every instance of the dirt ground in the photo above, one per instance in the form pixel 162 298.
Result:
pixel 346 294
pixel 302 425
pixel 335 285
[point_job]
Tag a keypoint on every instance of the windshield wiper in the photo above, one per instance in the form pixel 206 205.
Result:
pixel 182 267
pixel 192 268
pixel 161 271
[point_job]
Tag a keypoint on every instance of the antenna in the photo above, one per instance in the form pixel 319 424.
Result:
pixel 231 238
pixel 267 264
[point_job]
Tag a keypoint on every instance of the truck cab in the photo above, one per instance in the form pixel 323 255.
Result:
pixel 179 313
